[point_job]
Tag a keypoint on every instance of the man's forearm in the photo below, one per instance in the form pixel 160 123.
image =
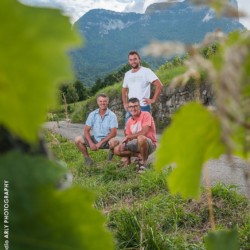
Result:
pixel 87 136
pixel 158 89
pixel 108 137
pixel 125 98
pixel 135 135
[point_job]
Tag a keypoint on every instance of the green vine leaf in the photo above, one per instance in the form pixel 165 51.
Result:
pixel 222 240
pixel 33 61
pixel 191 140
pixel 43 217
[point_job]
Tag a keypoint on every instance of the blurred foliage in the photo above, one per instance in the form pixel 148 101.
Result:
pixel 222 240
pixel 193 148
pixel 40 63
pixel 200 134
pixel 43 217
pixel 227 70
pixel 42 211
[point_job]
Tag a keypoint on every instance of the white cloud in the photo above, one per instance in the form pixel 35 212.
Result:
pixel 149 2
pixel 77 8
pixel 244 5
pixel 134 6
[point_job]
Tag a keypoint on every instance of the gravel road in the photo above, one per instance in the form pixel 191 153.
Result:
pixel 219 171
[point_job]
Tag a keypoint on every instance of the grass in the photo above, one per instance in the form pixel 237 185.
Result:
pixel 166 75
pixel 140 211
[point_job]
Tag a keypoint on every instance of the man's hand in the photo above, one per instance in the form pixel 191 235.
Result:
pixel 128 138
pixel 125 139
pixel 93 146
pixel 148 101
pixel 98 145
pixel 122 147
pixel 125 106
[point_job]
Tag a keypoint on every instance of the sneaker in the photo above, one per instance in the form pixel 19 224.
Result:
pixel 142 168
pixel 88 162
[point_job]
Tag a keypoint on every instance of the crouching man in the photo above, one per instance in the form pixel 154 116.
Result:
pixel 140 139
pixel 103 123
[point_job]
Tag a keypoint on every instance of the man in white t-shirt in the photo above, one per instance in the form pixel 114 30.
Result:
pixel 137 83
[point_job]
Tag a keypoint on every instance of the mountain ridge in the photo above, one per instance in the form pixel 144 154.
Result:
pixel 110 35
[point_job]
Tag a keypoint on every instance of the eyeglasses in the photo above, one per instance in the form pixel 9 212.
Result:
pixel 133 107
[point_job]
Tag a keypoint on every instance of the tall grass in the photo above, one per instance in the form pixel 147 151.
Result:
pixel 166 75
pixel 139 209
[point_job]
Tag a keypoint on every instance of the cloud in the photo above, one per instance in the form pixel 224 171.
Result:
pixel 77 8
pixel 135 6
pixel 244 5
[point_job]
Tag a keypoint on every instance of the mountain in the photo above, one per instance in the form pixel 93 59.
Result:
pixel 109 35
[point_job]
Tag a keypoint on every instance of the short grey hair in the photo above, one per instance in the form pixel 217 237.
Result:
pixel 102 95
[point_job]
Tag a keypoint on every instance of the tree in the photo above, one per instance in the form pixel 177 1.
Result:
pixel 81 90
pixel 110 79
pixel 71 95
pixel 96 86
pixel 63 89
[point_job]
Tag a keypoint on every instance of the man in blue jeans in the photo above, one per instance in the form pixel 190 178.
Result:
pixel 103 123
pixel 137 84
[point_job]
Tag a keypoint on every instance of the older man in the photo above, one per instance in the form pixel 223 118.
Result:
pixel 140 135
pixel 103 123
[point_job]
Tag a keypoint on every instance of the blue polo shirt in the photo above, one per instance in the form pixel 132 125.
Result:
pixel 101 126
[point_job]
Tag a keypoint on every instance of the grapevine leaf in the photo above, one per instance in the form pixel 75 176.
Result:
pixel 222 240
pixel 40 216
pixel 33 61
pixel 191 140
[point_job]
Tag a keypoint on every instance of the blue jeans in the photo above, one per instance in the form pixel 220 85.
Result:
pixel 143 108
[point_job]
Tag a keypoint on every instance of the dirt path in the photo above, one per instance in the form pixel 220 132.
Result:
pixel 220 171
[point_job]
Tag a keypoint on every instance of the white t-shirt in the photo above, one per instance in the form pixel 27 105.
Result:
pixel 138 83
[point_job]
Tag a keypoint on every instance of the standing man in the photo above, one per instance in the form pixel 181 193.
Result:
pixel 137 83
pixel 103 123
pixel 140 135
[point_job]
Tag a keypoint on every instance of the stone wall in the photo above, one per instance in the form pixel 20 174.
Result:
pixel 169 101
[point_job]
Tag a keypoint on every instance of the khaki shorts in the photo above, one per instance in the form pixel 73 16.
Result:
pixel 103 146
pixel 133 146
pixel 107 145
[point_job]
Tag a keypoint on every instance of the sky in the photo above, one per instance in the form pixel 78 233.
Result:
pixel 77 8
